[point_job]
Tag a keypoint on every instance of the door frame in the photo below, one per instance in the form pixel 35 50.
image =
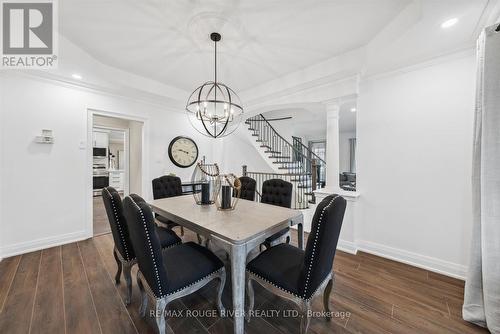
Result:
pixel 91 112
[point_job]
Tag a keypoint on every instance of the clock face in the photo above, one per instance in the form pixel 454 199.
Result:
pixel 183 151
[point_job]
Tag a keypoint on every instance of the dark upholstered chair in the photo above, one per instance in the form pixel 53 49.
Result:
pixel 167 186
pixel 300 275
pixel 277 192
pixel 172 273
pixel 123 251
pixel 248 187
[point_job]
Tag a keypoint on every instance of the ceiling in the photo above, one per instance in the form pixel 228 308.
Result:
pixel 310 121
pixel 116 137
pixel 168 40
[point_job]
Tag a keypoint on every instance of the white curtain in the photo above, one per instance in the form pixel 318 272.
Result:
pixel 482 288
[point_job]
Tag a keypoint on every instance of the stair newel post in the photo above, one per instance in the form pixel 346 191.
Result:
pixel 314 177
pixel 314 173
pixel 244 172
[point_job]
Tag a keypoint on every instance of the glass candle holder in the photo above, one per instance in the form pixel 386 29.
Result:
pixel 229 185
pixel 206 175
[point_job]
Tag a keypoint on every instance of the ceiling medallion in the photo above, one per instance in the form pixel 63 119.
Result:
pixel 213 108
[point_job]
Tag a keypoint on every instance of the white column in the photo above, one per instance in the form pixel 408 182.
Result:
pixel 332 146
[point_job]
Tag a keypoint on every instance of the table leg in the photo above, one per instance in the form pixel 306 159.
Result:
pixel 238 264
pixel 300 232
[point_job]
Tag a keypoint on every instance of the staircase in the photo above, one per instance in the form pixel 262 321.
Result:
pixel 294 163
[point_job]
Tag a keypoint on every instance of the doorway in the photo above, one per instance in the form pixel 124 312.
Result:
pixel 116 145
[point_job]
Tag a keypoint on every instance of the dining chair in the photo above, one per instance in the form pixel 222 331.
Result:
pixel 248 188
pixel 123 251
pixel 170 274
pixel 164 187
pixel 299 275
pixel 277 192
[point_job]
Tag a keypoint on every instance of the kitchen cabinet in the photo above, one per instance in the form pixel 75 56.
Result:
pixel 117 180
pixel 100 139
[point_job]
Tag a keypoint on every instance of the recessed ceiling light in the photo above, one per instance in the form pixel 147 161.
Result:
pixel 353 109
pixel 449 23
pixel 76 76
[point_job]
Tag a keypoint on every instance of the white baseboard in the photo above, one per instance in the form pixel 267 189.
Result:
pixel 417 260
pixel 347 246
pixel 34 245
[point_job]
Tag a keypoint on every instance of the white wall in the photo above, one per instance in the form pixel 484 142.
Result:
pixel 414 163
pixel 135 177
pixel 236 150
pixel 44 188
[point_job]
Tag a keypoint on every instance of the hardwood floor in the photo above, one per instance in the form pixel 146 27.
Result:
pixel 70 289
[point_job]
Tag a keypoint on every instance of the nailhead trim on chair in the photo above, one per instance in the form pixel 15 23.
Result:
pixel 201 279
pixel 150 247
pixel 282 289
pixel 151 293
pixel 315 242
pixel 273 284
pixel 119 225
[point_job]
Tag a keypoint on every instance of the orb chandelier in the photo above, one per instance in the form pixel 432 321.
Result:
pixel 213 108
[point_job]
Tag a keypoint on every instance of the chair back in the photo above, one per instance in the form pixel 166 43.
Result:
pixel 167 186
pixel 116 219
pixel 322 242
pixel 277 192
pixel 145 241
pixel 248 186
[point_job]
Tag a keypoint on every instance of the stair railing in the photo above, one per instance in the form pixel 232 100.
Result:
pixel 291 158
pixel 301 195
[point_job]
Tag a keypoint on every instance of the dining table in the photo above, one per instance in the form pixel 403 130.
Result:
pixel 239 232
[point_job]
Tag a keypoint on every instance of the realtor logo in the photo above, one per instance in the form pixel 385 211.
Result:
pixel 28 34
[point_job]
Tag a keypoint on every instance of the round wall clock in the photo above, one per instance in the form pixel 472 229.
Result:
pixel 183 151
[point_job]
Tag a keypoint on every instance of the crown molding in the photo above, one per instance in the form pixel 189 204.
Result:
pixel 135 95
pixel 323 88
pixel 463 52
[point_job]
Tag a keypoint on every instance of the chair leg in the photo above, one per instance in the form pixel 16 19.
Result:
pixel 200 241
pixel 220 290
pixel 144 298
pixel 161 304
pixel 128 280
pixel 326 299
pixel 119 269
pixel 304 322
pixel 251 297
pixel 182 231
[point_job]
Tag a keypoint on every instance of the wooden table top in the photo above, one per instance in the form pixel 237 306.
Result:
pixel 248 220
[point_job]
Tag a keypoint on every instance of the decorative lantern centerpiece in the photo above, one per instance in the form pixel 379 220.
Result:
pixel 207 177
pixel 229 185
